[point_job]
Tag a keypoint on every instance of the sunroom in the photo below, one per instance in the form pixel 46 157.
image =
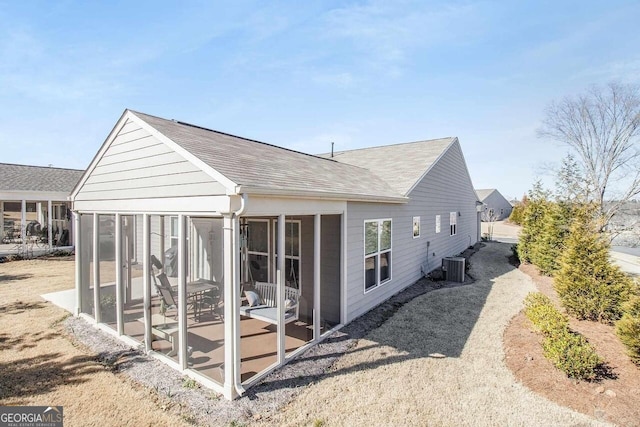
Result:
pixel 221 256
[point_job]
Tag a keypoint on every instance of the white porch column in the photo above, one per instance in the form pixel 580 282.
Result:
pixel 182 292
pixel 146 280
pixel 119 264
pixel 96 268
pixel 23 226
pixel 79 264
pixel 343 269
pixel 316 274
pixel 231 297
pixel 50 225
pixel 1 221
pixel 39 217
pixel 281 277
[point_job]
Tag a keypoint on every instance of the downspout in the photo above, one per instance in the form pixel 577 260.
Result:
pixel 237 384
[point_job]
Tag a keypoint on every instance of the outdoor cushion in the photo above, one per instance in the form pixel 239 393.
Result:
pixel 252 298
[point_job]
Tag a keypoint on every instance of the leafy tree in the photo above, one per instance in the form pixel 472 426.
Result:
pixel 589 286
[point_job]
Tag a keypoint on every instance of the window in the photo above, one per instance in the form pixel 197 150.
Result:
pixel 291 251
pixel 173 231
pixel 437 224
pixel 377 253
pixel 258 250
pixel 416 227
pixel 453 222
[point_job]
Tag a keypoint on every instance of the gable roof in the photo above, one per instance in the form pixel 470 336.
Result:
pixel 484 193
pixel 400 165
pixel 37 178
pixel 264 168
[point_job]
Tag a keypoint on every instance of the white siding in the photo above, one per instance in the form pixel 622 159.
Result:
pixel 137 165
pixel 446 188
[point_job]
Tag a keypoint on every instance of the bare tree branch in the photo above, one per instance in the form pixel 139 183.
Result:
pixel 602 128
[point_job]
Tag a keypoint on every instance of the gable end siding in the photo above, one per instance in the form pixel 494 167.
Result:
pixel 137 165
pixel 446 188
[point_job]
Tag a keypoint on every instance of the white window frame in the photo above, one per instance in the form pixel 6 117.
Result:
pixel 453 223
pixel 438 224
pixel 268 254
pixel 376 254
pixel 173 232
pixel 288 257
pixel 416 221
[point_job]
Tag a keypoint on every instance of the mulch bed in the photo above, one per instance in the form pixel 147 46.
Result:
pixel 615 397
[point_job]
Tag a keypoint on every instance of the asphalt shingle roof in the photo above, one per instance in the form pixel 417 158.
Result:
pixel 264 166
pixel 484 193
pixel 400 165
pixel 37 178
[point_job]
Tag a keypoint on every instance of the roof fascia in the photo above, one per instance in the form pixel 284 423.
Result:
pixel 226 182
pixel 302 194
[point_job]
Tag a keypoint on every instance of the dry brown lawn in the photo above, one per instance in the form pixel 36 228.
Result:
pixel 41 365
pixel 438 361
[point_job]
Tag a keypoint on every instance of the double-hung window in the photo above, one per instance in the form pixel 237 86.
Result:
pixel 453 223
pixel 377 253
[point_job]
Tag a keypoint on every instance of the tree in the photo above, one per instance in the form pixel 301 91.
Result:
pixel 517 213
pixel 490 216
pixel 589 286
pixel 532 222
pixel 545 254
pixel 571 186
pixel 601 128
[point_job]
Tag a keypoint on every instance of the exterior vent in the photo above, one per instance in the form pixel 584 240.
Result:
pixel 453 268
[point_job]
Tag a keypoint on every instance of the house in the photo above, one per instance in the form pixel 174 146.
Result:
pixel 495 206
pixel 38 196
pixel 227 257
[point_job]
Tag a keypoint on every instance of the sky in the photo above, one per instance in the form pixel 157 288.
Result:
pixel 304 74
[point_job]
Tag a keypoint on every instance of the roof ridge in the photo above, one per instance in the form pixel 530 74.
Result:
pixel 41 167
pixel 234 136
pixel 394 144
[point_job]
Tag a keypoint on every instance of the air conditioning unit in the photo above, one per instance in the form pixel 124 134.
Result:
pixel 453 268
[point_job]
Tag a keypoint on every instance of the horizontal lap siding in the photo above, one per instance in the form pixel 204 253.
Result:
pixel 445 189
pixel 496 202
pixel 137 165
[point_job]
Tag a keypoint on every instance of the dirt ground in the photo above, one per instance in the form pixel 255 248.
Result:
pixel 40 365
pixel 614 398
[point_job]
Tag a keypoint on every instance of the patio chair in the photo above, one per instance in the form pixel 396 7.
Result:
pixel 211 299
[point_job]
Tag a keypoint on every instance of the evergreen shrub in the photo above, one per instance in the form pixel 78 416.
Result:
pixel 628 328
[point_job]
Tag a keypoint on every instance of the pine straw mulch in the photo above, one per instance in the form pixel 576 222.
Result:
pixel 614 397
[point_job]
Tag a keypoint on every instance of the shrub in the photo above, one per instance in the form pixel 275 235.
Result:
pixel 628 328
pixel 532 222
pixel 571 353
pixel 517 214
pixel 567 350
pixel 545 251
pixel 543 314
pixel 589 286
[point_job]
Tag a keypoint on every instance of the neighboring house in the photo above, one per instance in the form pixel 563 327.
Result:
pixel 495 206
pixel 31 194
pixel 208 224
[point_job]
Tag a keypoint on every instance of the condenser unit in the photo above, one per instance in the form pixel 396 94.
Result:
pixel 453 268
